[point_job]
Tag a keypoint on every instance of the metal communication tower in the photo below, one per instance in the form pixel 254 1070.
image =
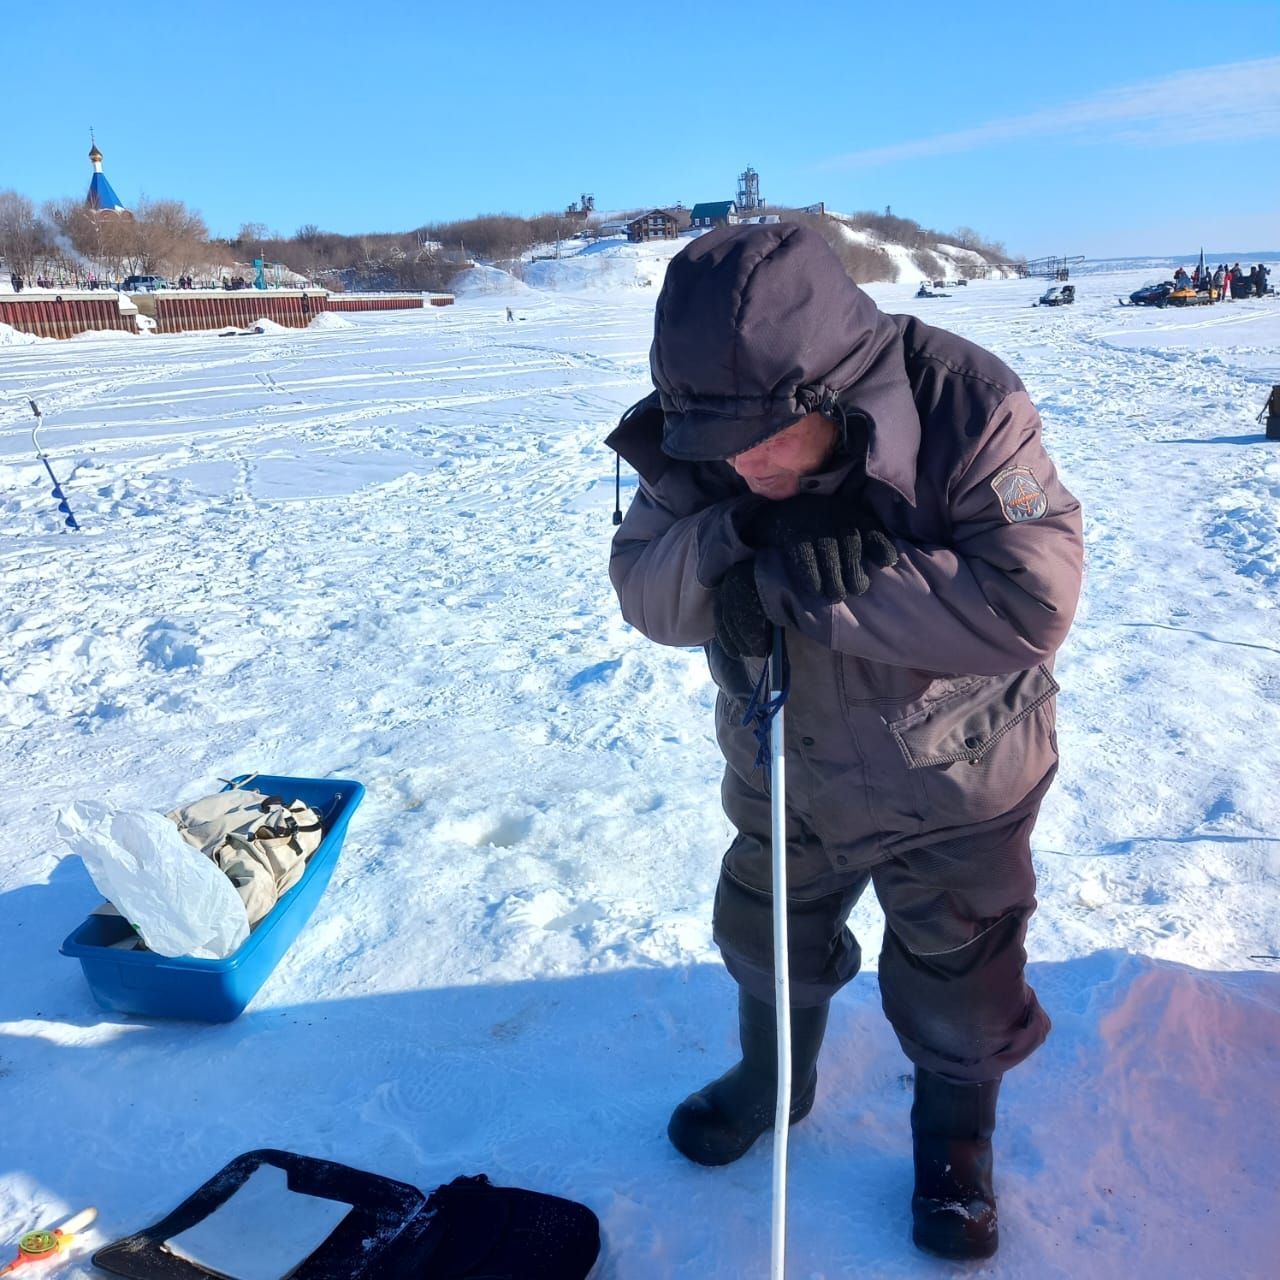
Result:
pixel 749 190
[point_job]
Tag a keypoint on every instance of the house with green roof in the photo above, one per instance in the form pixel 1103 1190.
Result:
pixel 714 213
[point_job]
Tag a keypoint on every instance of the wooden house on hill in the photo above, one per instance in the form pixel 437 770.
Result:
pixel 657 224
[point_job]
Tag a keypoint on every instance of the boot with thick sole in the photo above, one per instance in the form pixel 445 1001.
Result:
pixel 719 1123
pixel 953 1210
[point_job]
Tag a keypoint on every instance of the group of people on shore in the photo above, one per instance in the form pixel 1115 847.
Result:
pixel 1227 282
pixel 17 282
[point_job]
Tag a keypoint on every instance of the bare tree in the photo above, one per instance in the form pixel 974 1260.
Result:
pixel 929 263
pixel 862 262
pixel 164 237
pixel 183 237
pixel 24 238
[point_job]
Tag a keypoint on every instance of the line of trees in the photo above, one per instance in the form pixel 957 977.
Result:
pixel 426 258
pixel 66 241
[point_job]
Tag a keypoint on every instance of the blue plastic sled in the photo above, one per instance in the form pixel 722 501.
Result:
pixel 218 990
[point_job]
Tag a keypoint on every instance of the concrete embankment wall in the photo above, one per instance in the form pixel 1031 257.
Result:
pixel 185 310
pixel 54 314
pixel 385 301
pixel 63 315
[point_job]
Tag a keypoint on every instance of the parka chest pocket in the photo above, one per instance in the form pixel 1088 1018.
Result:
pixel 970 759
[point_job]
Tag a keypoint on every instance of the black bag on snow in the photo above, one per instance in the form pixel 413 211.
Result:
pixel 467 1229
pixel 473 1230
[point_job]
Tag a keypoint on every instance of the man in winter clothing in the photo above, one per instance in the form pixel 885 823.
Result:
pixel 877 487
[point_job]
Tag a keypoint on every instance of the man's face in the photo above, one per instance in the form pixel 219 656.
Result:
pixel 774 468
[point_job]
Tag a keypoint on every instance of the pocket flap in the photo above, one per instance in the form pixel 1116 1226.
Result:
pixel 967 723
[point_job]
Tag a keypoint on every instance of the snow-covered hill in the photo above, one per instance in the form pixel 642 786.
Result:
pixel 378 551
pixel 607 265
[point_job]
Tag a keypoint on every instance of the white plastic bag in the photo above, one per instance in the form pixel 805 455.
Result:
pixel 180 902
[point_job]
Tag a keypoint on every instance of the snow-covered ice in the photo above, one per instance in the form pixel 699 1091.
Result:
pixel 379 551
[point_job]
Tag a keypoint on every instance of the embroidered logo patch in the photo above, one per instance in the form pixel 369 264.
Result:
pixel 1020 494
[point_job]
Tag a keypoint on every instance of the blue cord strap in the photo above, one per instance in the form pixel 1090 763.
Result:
pixel 762 709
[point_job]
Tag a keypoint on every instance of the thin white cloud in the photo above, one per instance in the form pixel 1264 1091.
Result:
pixel 1236 102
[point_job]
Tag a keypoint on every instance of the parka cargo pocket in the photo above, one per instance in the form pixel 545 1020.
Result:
pixel 738 744
pixel 980 748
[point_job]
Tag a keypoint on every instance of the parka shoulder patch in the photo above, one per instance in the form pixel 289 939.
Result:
pixel 1021 495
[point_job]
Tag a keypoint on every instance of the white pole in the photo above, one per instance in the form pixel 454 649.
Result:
pixel 781 968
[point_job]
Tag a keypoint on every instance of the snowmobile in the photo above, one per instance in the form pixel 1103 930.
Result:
pixel 1155 294
pixel 1058 295
pixel 924 292
pixel 1167 294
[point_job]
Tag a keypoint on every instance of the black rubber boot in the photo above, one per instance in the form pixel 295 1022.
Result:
pixel 719 1123
pixel 953 1210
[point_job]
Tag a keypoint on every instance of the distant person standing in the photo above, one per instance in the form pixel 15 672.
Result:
pixel 1260 280
pixel 1218 276
pixel 1227 278
pixel 510 314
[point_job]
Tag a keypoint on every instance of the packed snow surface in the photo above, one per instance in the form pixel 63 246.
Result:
pixel 379 552
pixel 11 337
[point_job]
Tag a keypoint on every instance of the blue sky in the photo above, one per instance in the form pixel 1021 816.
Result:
pixel 1099 128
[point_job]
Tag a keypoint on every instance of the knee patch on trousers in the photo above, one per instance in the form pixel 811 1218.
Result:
pixel 967 1013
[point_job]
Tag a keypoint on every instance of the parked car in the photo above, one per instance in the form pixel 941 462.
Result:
pixel 1058 295
pixel 144 284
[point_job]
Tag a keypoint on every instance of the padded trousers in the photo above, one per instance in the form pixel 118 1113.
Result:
pixel 952 963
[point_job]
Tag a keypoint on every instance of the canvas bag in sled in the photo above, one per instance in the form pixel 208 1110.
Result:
pixel 261 842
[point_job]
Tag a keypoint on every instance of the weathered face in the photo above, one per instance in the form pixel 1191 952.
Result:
pixel 774 468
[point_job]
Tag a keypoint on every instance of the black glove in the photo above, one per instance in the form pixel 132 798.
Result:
pixel 827 543
pixel 742 627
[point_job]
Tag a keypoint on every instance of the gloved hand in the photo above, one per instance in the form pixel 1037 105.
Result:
pixel 742 627
pixel 826 542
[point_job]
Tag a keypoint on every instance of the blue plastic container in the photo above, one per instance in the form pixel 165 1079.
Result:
pixel 218 990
